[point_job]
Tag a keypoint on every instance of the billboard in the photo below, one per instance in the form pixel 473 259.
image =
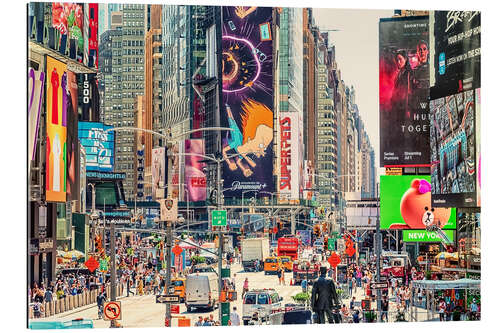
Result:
pixel 308 180
pixel 456 51
pixel 405 203
pixel 453 149
pixel 291 160
pixel 404 91
pixel 91 36
pixel 56 105
pixel 73 146
pixel 89 95
pixel 36 81
pixel 304 237
pixel 426 236
pixel 194 177
pixel 67 18
pixel 159 172
pixel 99 145
pixel 247 91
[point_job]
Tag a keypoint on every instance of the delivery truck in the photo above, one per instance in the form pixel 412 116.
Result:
pixel 253 249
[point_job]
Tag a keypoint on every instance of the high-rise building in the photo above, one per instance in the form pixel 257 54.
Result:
pixel 309 87
pixel 107 20
pixel 124 51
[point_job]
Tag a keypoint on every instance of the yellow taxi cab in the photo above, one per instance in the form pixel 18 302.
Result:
pixel 271 265
pixel 179 285
pixel 286 262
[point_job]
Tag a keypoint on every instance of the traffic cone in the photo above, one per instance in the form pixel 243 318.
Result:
pixel 291 282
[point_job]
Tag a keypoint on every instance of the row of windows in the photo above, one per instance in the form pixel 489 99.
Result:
pixel 133 32
pixel 133 52
pixel 133 15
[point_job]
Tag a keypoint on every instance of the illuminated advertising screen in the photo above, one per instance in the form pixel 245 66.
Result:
pixel 404 91
pixel 90 32
pixel 67 19
pixel 456 53
pixel 36 81
pixel 453 149
pixel 291 160
pixel 247 88
pixel 56 110
pixel 159 172
pixel 194 177
pixel 405 203
pixel 73 146
pixel 99 145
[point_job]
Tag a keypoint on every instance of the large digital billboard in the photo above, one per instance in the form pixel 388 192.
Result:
pixel 248 97
pixel 453 149
pixel 159 172
pixel 36 81
pixel 67 18
pixel 56 107
pixel 291 159
pixel 73 146
pixel 194 177
pixel 404 91
pixel 456 52
pixel 405 203
pixel 99 145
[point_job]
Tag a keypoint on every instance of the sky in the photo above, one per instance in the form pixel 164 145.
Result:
pixel 356 53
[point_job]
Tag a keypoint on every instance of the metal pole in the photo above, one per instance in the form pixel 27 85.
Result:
pixel 112 240
pixel 219 203
pixel 168 246
pixel 377 257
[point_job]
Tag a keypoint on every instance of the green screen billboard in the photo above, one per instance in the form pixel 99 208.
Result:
pixel 405 203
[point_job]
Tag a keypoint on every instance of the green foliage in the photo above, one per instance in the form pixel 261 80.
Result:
pixel 302 297
pixel 197 260
pixel 428 275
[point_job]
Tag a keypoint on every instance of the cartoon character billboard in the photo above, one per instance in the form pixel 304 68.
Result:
pixel 247 87
pixel 68 18
pixel 405 203
pixel 404 91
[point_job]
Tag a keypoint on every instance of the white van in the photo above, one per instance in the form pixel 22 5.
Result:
pixel 201 291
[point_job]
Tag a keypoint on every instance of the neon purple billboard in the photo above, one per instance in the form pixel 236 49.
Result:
pixel 247 89
pixel 194 177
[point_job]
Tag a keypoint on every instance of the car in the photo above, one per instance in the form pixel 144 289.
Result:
pixel 263 301
pixel 179 285
pixel 203 268
pixel 271 265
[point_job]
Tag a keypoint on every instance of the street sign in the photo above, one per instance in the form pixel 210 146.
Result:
pixel 167 298
pixel 334 260
pixel 331 244
pixel 219 218
pixel 340 245
pixel 177 250
pixel 174 309
pixel 168 209
pixel 379 285
pixel 91 264
pixel 350 251
pixel 112 310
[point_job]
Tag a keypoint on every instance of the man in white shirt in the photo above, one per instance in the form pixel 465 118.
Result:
pixel 234 317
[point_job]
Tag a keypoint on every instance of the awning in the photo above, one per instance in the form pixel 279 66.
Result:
pixel 447 284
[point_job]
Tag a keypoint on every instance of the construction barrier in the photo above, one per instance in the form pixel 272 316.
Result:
pixel 71 302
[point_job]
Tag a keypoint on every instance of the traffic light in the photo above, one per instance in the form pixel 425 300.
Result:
pixel 325 243
pixel 316 230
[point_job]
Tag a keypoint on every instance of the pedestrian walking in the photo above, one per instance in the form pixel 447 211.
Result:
pixel 278 273
pixel 384 308
pixel 323 297
pixel 235 317
pixel 245 287
pixel 442 309
pixel 349 282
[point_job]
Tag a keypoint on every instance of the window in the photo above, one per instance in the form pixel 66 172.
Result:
pixel 263 299
pixel 250 299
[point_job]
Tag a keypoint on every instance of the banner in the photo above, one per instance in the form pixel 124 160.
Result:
pixel 308 191
pixel 405 203
pixel 36 81
pixel 247 89
pixel 456 52
pixel 99 145
pixel 159 172
pixel 291 159
pixel 73 146
pixel 453 149
pixel 194 177
pixel 56 107
pixel 404 91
